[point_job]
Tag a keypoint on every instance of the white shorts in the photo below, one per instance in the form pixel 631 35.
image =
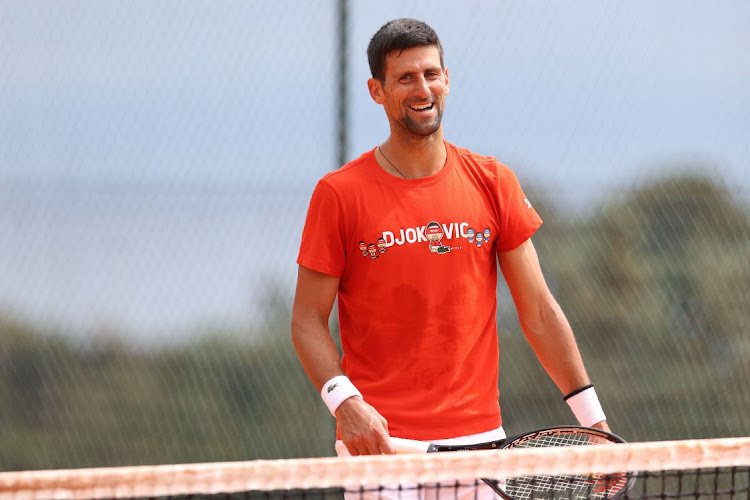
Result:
pixel 468 491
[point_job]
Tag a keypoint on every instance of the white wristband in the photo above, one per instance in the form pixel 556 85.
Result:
pixel 336 391
pixel 586 407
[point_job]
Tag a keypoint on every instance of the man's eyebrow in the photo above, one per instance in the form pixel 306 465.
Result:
pixel 409 72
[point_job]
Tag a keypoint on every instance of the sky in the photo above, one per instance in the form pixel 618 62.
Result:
pixel 156 158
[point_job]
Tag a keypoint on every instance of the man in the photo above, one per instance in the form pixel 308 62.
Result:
pixel 417 311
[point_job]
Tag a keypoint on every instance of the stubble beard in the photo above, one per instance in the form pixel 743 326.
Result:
pixel 422 129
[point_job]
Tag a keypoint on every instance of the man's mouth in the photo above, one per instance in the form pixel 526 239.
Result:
pixel 422 107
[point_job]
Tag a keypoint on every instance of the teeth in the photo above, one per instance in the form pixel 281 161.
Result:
pixel 422 107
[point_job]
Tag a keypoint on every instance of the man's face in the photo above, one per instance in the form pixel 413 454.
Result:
pixel 414 90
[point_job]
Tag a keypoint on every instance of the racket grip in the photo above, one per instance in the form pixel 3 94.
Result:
pixel 402 445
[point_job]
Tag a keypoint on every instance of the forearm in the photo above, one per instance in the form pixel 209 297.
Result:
pixel 363 430
pixel 311 336
pixel 554 344
pixel 316 350
pixel 550 336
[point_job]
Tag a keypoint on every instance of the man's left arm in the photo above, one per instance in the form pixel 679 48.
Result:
pixel 543 322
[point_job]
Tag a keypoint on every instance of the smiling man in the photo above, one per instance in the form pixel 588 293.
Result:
pixel 417 317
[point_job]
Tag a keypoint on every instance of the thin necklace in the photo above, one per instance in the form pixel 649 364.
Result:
pixel 391 164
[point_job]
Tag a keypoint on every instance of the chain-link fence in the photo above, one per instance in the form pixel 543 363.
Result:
pixel 156 160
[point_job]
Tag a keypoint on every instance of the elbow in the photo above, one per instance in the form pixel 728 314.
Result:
pixel 297 328
pixel 306 326
pixel 541 319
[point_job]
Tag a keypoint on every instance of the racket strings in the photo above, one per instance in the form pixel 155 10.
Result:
pixel 596 486
pixel 566 439
pixel 567 486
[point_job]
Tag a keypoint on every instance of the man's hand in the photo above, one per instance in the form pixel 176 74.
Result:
pixel 363 430
pixel 602 426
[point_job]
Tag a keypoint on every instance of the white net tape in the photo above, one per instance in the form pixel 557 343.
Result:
pixel 268 475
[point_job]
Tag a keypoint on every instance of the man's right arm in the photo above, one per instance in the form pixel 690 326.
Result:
pixel 363 430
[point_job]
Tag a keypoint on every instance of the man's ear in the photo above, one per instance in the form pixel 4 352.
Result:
pixel 447 83
pixel 376 90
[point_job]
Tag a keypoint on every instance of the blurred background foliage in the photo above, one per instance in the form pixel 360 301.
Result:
pixel 656 284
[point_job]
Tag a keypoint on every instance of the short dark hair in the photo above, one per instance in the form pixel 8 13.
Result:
pixel 398 35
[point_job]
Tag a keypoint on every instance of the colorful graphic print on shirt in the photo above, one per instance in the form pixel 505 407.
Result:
pixel 432 234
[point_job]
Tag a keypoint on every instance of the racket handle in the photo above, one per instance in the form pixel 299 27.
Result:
pixel 402 445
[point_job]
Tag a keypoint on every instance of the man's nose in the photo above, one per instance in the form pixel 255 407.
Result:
pixel 421 88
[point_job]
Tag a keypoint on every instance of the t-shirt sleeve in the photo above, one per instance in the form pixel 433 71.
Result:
pixel 322 246
pixel 518 219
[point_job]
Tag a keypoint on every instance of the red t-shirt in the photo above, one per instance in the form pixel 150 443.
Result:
pixel 417 296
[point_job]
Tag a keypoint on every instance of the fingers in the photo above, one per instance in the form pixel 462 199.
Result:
pixel 385 446
pixel 363 430
pixel 603 426
pixel 357 448
pixel 373 442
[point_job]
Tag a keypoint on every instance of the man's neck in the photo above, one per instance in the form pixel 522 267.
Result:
pixel 415 158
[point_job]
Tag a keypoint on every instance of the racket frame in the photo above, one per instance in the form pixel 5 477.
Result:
pixel 406 445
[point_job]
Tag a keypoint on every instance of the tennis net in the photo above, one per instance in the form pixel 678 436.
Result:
pixel 698 469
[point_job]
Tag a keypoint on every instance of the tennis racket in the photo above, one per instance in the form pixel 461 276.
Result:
pixel 548 487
